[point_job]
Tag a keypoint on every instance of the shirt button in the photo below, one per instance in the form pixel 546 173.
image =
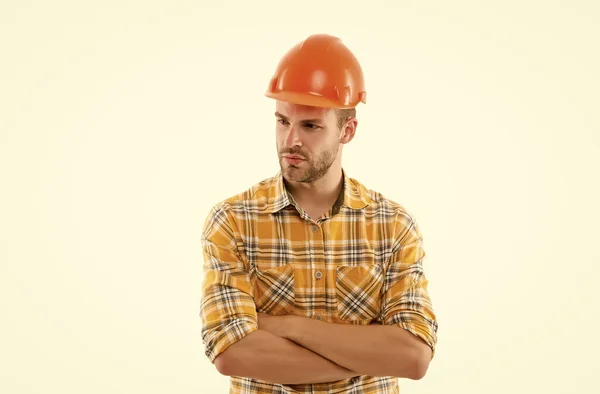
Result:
pixel 318 274
pixel 318 317
pixel 315 229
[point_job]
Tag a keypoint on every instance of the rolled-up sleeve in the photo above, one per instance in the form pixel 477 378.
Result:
pixel 405 299
pixel 227 312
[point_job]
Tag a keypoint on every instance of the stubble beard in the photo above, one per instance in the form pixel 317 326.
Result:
pixel 313 170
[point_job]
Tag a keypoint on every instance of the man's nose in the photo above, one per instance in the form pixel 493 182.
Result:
pixel 292 138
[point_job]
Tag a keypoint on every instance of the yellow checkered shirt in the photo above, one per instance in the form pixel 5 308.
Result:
pixel 360 262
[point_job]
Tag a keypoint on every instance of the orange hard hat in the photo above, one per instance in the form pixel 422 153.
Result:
pixel 319 71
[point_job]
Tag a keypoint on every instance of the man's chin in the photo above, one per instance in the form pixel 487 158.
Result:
pixel 293 174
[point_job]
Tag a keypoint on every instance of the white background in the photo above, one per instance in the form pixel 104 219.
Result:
pixel 123 122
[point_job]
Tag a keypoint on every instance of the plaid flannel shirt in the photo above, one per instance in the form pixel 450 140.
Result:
pixel 360 262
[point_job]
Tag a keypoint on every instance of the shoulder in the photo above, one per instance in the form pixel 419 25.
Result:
pixel 379 203
pixel 399 223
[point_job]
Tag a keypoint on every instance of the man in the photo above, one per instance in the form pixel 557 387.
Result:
pixel 313 283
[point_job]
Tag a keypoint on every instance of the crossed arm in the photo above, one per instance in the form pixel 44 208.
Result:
pixel 294 349
pixel 373 350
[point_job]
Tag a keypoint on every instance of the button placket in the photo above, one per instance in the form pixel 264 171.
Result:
pixel 317 266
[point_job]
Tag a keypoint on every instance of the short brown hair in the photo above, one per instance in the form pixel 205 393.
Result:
pixel 343 115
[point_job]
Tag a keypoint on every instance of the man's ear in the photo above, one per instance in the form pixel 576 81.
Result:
pixel 348 130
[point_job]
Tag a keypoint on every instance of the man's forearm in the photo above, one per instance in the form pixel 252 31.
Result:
pixel 374 350
pixel 263 356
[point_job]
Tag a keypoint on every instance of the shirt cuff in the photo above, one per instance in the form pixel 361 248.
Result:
pixel 422 327
pixel 217 340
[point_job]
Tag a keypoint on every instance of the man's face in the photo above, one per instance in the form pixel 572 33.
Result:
pixel 310 134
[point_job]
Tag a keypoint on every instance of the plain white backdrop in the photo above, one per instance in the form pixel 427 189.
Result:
pixel 123 122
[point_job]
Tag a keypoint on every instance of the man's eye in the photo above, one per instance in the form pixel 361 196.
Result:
pixel 281 121
pixel 312 126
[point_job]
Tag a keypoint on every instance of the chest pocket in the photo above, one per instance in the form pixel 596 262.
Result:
pixel 274 290
pixel 357 290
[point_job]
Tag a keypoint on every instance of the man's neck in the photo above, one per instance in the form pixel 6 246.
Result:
pixel 324 192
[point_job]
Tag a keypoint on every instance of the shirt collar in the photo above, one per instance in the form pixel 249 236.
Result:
pixel 353 195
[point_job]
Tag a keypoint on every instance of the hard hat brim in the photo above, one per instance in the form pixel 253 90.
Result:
pixel 312 100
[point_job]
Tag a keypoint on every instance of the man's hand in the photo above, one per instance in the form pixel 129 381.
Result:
pixel 275 325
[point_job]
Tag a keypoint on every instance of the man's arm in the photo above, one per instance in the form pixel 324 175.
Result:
pixel 404 344
pixel 230 329
pixel 373 350
pixel 266 357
